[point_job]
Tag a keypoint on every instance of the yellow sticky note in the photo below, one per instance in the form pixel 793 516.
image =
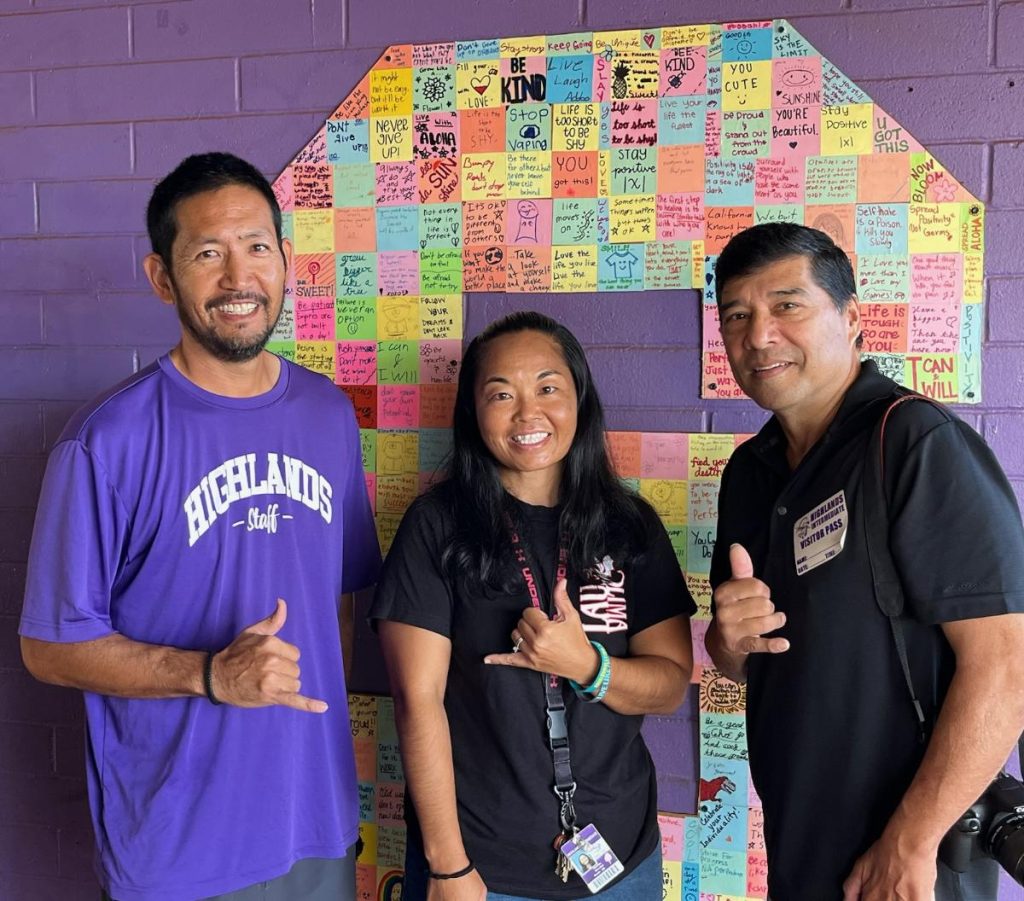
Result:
pixel 398 318
pixel 698 264
pixel 484 176
pixel 397 453
pixel 395 493
pixel 574 268
pixel 747 85
pixel 972 227
pixel 441 316
pixel 934 228
pixel 632 218
pixel 933 375
pixel 708 455
pixel 391 92
pixel 973 277
pixel 685 36
pixel 391 139
pixel 575 126
pixel 846 130
pixel 368 833
pixel 477 84
pixel 667 496
pixel 532 46
pixel 604 173
pixel 316 355
pixel 618 40
pixel 528 174
pixel 314 231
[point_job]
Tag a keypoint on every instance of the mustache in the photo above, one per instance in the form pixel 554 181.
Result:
pixel 237 297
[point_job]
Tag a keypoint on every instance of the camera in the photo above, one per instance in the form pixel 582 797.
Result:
pixel 992 827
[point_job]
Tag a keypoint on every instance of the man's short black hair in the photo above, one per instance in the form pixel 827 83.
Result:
pixel 760 245
pixel 196 175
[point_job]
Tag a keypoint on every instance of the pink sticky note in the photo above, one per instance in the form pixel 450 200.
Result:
pixel 529 222
pixel 398 406
pixel 398 273
pixel 371 489
pixel 796 131
pixel 671 828
pixel 684 71
pixel 396 183
pixel 663 455
pixel 711 333
pixel 779 180
pixel 680 217
pixel 314 319
pixel 436 135
pixel 284 190
pixel 439 361
pixel 355 362
pixel 796 81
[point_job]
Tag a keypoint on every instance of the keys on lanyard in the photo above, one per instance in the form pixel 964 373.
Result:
pixel 563 869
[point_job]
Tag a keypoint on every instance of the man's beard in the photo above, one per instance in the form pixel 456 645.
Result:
pixel 236 349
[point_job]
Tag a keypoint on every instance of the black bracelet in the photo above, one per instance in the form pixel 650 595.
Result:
pixel 208 679
pixel 465 871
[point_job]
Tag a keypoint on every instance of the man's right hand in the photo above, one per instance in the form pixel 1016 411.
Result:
pixel 258 669
pixel 744 612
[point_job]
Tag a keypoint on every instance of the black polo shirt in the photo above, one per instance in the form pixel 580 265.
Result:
pixel 832 735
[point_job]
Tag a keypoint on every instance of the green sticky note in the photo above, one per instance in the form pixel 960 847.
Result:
pixel 356 274
pixel 574 220
pixel 440 226
pixel 356 318
pixel 441 271
pixel 284 349
pixel 779 212
pixel 398 362
pixel 368 445
pixel 433 89
pixel 354 184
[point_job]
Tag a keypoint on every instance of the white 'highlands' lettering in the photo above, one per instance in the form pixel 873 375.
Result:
pixel 237 480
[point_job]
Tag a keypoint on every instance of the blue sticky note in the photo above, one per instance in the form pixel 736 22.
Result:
pixel 355 184
pixel 348 140
pixel 728 182
pixel 881 228
pixel 570 79
pixel 602 220
pixel 356 274
pixel 574 221
pixel 435 445
pixel 398 228
pixel 700 542
pixel 620 267
pixel 709 288
pixel 744 44
pixel 467 50
pixel 605 141
pixel 681 119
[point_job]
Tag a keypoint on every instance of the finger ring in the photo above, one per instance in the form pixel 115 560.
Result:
pixel 515 647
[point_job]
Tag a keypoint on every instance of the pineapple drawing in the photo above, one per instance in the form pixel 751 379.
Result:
pixel 619 86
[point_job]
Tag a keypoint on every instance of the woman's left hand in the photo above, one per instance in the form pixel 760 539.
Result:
pixel 557 645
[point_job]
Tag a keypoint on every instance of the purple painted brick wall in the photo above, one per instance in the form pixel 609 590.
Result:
pixel 100 97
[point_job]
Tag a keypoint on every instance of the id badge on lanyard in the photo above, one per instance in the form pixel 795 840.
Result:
pixel 583 850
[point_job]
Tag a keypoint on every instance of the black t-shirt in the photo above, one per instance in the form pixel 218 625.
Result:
pixel 507 810
pixel 832 734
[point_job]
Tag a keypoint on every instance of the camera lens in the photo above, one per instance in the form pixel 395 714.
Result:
pixel 1006 844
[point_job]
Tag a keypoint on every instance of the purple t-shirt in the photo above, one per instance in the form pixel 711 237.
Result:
pixel 177 517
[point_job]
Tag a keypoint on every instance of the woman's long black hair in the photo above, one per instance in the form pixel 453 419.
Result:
pixel 599 514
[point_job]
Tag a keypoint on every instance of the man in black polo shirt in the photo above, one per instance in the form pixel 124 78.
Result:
pixel 854 803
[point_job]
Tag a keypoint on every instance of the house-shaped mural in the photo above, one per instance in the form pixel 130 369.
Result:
pixel 608 161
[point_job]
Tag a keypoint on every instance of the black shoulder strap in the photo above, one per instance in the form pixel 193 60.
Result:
pixel 885 578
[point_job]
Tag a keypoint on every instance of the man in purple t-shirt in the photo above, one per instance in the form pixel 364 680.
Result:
pixel 200 525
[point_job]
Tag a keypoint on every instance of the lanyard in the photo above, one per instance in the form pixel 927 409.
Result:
pixel 558 731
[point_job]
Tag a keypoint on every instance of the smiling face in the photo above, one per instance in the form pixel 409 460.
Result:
pixel 790 349
pixel 525 402
pixel 227 273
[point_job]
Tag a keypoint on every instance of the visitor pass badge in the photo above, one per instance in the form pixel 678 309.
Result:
pixel 819 536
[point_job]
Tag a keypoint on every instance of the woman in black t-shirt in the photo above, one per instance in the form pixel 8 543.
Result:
pixel 531 558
